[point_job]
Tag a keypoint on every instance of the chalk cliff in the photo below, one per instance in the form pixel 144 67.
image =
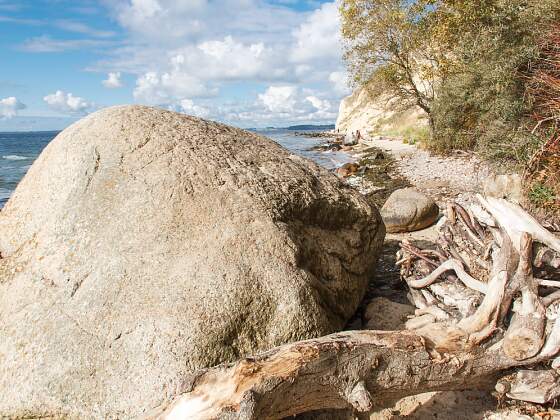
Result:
pixel 375 114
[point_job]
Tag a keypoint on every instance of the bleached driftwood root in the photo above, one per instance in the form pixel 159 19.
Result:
pixel 537 386
pixel 512 315
pixel 514 220
pixel 483 299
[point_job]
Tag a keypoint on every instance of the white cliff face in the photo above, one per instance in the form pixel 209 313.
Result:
pixel 375 115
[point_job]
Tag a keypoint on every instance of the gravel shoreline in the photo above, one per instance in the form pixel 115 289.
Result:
pixel 441 177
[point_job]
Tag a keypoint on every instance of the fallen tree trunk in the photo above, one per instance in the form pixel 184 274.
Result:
pixel 357 369
pixel 480 312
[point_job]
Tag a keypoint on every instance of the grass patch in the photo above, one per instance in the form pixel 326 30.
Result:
pixel 410 135
pixel 541 195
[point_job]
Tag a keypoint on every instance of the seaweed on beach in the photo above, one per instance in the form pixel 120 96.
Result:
pixel 380 173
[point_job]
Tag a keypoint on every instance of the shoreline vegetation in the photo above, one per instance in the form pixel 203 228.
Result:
pixel 486 76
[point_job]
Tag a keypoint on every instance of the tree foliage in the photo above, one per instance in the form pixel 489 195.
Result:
pixel 482 104
pixel 465 62
pixel 386 49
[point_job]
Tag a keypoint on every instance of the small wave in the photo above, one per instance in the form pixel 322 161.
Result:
pixel 15 157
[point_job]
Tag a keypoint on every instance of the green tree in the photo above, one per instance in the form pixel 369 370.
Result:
pixel 482 103
pixel 464 62
pixel 388 48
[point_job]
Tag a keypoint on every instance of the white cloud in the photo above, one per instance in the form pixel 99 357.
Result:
pixel 174 22
pixel 168 88
pixel 279 98
pixel 194 71
pixel 185 51
pixel 21 21
pixel 319 36
pixel 113 80
pixel 159 19
pixel 10 106
pixel 44 44
pixel 67 103
pixel 339 80
pixel 291 102
pixel 228 59
pixel 188 107
pixel 319 104
pixel 139 11
pixel 280 105
pixel 82 28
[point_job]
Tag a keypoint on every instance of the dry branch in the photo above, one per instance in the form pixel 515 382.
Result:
pixel 537 386
pixel 525 335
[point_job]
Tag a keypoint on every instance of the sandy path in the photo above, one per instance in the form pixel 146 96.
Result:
pixel 456 176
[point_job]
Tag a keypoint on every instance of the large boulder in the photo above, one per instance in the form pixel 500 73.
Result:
pixel 407 210
pixel 145 244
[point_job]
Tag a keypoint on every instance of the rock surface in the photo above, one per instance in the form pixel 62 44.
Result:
pixel 407 210
pixel 347 169
pixel 385 315
pixel 144 244
pixel 507 186
pixel 349 140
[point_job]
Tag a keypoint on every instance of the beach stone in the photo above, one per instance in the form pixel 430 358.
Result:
pixel 385 315
pixel 349 140
pixel 144 244
pixel 347 169
pixel 506 186
pixel 407 210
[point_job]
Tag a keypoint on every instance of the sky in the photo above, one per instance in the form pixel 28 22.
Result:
pixel 249 63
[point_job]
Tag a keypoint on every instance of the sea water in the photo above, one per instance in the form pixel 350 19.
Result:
pixel 19 150
pixel 17 153
pixel 299 144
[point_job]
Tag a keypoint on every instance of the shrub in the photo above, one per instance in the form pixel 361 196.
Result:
pixel 466 63
pixel 543 88
pixel 482 105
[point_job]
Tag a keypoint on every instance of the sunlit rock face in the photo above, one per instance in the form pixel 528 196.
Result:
pixel 145 244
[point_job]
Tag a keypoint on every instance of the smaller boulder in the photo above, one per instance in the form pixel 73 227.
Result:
pixel 347 169
pixel 350 139
pixel 407 210
pixel 383 314
pixel 506 186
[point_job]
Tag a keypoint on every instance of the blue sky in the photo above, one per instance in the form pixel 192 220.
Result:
pixel 245 62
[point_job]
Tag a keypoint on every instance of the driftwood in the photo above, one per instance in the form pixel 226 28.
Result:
pixel 537 386
pixel 486 304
